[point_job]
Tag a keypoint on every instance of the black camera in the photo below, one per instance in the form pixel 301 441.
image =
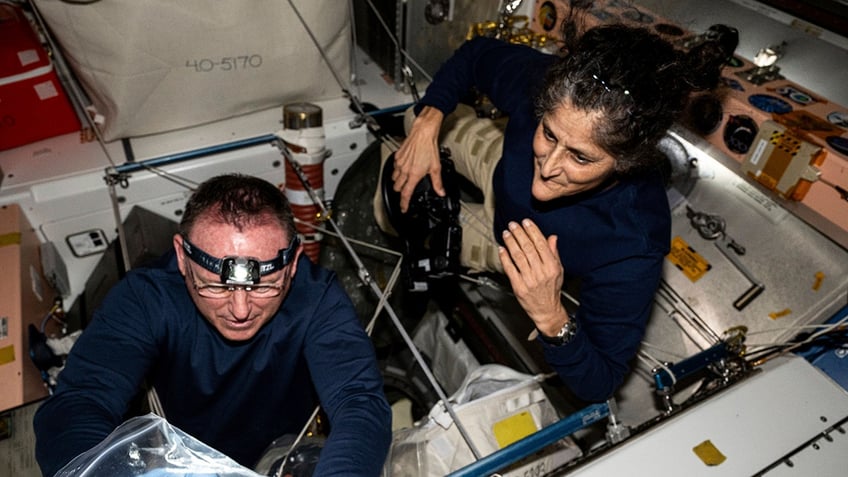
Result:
pixel 430 228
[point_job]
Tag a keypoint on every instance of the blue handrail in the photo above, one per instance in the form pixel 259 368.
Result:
pixel 533 443
pixel 194 154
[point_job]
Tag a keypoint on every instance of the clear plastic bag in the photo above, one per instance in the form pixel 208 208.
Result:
pixel 149 446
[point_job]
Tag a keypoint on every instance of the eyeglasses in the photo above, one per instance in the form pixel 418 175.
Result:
pixel 223 290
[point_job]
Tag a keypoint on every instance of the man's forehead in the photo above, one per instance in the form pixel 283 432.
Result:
pixel 223 239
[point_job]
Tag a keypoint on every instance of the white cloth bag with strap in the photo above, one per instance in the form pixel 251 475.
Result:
pixel 492 400
pixel 157 65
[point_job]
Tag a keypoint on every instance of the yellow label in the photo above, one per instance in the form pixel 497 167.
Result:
pixel 780 314
pixel 7 354
pixel 687 260
pixel 709 453
pixel 12 238
pixel 819 278
pixel 514 428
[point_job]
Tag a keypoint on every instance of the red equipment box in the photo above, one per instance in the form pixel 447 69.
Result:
pixel 33 105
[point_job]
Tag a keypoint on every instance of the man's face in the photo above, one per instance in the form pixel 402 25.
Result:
pixel 238 316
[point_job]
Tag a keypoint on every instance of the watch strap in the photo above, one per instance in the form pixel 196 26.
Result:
pixel 564 336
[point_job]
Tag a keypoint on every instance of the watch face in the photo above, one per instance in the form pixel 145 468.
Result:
pixel 565 335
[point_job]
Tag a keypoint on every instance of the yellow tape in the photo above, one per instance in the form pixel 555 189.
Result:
pixel 687 260
pixel 779 314
pixel 709 453
pixel 7 354
pixel 513 428
pixel 818 281
pixel 11 238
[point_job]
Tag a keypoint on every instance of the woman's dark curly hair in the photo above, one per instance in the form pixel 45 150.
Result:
pixel 638 81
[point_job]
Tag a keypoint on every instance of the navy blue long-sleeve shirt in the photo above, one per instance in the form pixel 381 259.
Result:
pixel 613 241
pixel 236 397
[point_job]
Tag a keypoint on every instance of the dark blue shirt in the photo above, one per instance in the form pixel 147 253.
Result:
pixel 612 241
pixel 236 397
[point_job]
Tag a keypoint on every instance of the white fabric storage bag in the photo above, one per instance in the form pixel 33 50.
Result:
pixel 156 65
pixel 489 395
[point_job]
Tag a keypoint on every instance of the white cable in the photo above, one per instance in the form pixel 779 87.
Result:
pixel 367 280
pixel 353 57
pixel 657 364
pixel 321 51
pixel 368 328
pixel 790 328
pixel 154 403
pixel 485 232
pixel 658 348
pixel 709 335
pixel 394 40
pixel 77 95
pixel 810 339
pixel 357 242
pixel 176 179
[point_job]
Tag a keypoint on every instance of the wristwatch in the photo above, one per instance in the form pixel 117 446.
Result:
pixel 564 336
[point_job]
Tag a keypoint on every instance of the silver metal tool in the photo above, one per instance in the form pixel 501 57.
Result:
pixel 712 227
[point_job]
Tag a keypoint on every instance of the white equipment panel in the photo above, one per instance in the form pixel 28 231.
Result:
pixel 789 419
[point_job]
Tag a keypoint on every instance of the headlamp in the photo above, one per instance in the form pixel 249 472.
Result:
pixel 240 270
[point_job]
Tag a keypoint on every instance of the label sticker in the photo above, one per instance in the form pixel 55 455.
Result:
pixel 11 238
pixel 513 428
pixel 35 282
pixel 758 201
pixel 758 153
pixel 687 260
pixel 46 90
pixel 28 57
pixel 780 314
pixel 709 453
pixel 818 279
pixel 7 354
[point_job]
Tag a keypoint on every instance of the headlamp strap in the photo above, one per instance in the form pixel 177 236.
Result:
pixel 216 265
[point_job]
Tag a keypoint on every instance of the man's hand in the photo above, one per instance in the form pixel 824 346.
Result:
pixel 532 264
pixel 419 156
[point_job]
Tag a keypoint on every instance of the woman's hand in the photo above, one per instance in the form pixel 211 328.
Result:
pixel 532 264
pixel 419 156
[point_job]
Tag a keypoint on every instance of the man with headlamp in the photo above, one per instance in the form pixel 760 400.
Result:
pixel 239 335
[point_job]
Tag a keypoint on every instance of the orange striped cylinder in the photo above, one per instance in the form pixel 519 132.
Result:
pixel 303 136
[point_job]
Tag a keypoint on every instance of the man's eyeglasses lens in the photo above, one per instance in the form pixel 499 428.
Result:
pixel 212 290
pixel 222 290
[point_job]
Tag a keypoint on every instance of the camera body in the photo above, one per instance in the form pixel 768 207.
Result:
pixel 430 227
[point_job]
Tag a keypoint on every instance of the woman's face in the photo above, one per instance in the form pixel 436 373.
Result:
pixel 566 159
